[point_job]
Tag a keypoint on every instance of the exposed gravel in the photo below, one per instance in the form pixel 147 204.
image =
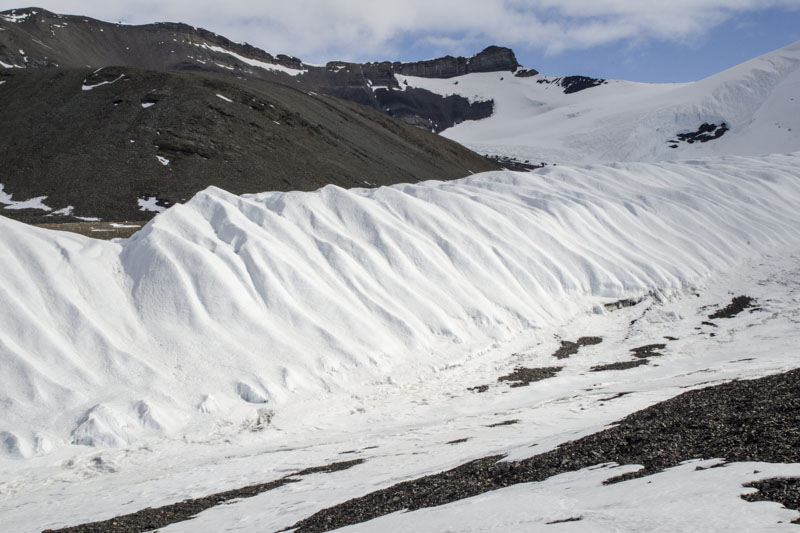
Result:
pixel 754 420
pixel 622 365
pixel 650 350
pixel 149 518
pixel 522 377
pixel 642 354
pixel 503 423
pixel 99 230
pixel 620 304
pixel 737 305
pixel 327 469
pixel 568 348
pixel 785 491
pixel 573 519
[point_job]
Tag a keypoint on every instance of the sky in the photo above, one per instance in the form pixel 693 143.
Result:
pixel 638 40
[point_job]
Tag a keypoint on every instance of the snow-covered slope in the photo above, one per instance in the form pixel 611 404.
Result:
pixel 759 101
pixel 223 311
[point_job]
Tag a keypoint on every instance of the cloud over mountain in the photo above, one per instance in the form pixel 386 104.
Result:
pixel 362 30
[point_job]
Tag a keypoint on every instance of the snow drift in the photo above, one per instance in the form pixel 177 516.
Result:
pixel 624 121
pixel 221 310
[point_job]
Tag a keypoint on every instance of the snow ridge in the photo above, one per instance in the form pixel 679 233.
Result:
pixel 227 307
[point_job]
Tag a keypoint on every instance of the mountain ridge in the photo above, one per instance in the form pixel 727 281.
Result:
pixel 77 41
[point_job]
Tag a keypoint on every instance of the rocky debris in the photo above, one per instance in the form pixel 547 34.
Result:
pixel 479 388
pixel 621 304
pixel 503 423
pixel 706 132
pixel 622 365
pixel 699 424
pixel 737 305
pixel 525 73
pixel 572 519
pixel 569 348
pixel 785 491
pixel 522 377
pixel 573 84
pixel 327 469
pixel 614 397
pixel 647 351
pixel 99 230
pixel 641 353
pixel 149 519
pixel 458 441
pixel 510 163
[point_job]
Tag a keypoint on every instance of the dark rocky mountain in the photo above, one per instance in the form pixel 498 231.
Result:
pixel 34 37
pixel 104 115
pixel 101 140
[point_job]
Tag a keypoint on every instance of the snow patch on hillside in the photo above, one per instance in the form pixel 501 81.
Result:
pixel 228 305
pixel 14 18
pixel 32 203
pixel 253 62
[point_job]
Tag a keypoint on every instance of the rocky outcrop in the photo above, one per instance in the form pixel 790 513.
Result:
pixel 491 59
pixel 573 84
pixel 706 132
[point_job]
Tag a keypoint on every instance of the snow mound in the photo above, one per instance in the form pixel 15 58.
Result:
pixel 624 121
pixel 223 309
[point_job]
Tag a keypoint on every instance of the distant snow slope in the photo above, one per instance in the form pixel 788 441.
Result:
pixel 228 307
pixel 623 121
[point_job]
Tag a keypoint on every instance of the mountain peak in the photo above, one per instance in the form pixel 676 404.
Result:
pixel 490 59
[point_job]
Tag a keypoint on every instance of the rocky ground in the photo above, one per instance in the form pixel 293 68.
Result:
pixel 742 421
pixel 137 141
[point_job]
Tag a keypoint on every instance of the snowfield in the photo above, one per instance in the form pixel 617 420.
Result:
pixel 758 100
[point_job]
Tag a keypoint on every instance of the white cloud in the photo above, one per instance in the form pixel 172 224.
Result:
pixel 319 30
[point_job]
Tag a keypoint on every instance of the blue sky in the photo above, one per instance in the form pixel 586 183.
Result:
pixel 743 37
pixel 639 40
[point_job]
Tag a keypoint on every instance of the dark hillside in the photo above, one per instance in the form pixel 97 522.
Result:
pixel 100 141
pixel 37 38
